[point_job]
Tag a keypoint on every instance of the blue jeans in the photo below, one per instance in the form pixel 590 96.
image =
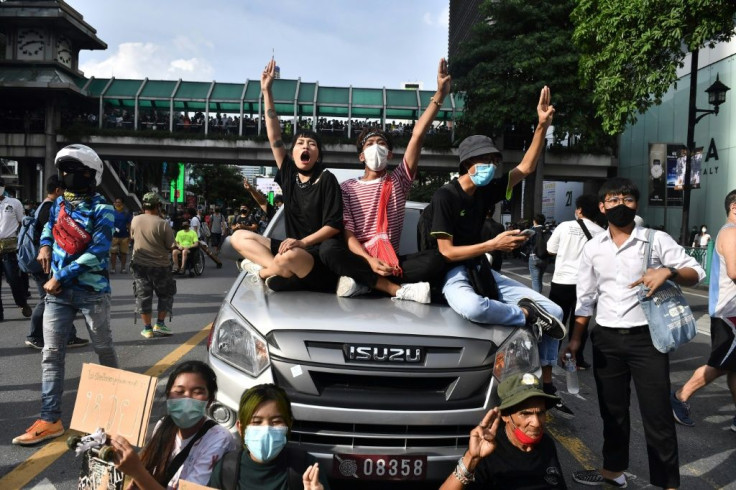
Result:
pixel 12 276
pixel 58 321
pixel 537 267
pixel 36 332
pixel 463 299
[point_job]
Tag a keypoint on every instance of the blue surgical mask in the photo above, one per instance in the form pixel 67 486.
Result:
pixel 483 174
pixel 264 441
pixel 185 412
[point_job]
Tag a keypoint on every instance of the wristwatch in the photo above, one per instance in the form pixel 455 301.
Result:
pixel 673 273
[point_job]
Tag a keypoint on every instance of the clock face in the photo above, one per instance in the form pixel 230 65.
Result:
pixel 64 51
pixel 31 44
pixel 656 171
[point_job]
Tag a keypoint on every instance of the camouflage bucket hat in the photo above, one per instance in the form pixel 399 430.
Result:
pixel 151 198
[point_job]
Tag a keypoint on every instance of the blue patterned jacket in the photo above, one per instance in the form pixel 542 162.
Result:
pixel 86 271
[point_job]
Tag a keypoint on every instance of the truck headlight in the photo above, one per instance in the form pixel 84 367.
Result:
pixel 518 354
pixel 239 344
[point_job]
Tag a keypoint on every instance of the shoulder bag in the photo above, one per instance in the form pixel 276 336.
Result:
pixel 671 321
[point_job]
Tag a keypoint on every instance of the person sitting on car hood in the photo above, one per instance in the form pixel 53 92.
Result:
pixel 509 448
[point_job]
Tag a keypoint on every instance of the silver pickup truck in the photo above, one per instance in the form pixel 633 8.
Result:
pixel 380 389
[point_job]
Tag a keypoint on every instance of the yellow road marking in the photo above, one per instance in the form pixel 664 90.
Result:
pixel 574 446
pixel 45 457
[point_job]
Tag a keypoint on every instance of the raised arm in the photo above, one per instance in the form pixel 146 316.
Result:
pixel 273 129
pixel 414 148
pixel 259 198
pixel 528 164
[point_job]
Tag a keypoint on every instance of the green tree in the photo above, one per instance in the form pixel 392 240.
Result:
pixel 631 49
pixel 219 183
pixel 522 46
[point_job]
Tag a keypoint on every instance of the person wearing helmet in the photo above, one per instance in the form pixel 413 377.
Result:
pixel 152 242
pixel 75 248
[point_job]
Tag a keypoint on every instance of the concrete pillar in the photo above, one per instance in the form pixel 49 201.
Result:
pixel 52 123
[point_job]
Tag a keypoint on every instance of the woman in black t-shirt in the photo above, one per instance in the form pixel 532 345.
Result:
pixel 312 211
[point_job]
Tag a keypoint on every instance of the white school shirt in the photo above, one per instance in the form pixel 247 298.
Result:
pixel 567 242
pixel 11 215
pixel 606 272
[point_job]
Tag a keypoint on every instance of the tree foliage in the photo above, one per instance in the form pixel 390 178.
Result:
pixel 522 46
pixel 631 49
pixel 219 183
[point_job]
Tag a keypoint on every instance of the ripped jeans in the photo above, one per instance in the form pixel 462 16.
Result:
pixel 58 321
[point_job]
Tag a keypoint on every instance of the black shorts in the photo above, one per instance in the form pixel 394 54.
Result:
pixel 320 278
pixel 723 343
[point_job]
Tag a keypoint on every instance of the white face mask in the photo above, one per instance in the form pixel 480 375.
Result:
pixel 376 157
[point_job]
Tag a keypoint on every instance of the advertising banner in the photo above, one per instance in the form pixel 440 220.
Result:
pixel 667 173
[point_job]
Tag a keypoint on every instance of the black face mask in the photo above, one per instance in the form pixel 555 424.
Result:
pixel 620 216
pixel 78 182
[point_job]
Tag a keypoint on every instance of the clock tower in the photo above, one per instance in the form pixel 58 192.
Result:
pixel 40 41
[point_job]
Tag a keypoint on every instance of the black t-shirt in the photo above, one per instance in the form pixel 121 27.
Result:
pixel 43 218
pixel 273 475
pixel 510 468
pixel 461 216
pixel 308 207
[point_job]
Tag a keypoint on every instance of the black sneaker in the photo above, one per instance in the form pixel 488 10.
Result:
pixel 26 310
pixel 594 478
pixel 279 284
pixel 77 342
pixel 35 343
pixel 538 316
pixel 563 410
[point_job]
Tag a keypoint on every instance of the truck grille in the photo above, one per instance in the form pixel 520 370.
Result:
pixel 380 435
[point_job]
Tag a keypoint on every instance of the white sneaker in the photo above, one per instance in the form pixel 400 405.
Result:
pixel 249 266
pixel 418 291
pixel 347 287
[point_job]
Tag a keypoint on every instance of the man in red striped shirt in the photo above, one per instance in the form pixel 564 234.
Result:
pixel 373 216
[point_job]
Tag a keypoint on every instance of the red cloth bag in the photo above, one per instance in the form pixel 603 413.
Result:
pixel 68 234
pixel 380 246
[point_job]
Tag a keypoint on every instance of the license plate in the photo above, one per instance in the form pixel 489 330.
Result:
pixel 379 467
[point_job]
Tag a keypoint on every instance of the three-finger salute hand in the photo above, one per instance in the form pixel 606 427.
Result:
pixel 483 436
pixel 310 478
pixel 268 75
pixel 545 111
pixel 443 78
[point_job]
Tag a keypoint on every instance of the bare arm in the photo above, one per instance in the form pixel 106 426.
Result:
pixel 315 238
pixel 273 129
pixel 504 242
pixel 378 266
pixel 414 148
pixel 259 198
pixel 528 164
pixel 726 245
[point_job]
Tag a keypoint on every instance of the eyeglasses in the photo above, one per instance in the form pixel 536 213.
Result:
pixel 615 201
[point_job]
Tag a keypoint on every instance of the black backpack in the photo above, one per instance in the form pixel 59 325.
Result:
pixel 540 244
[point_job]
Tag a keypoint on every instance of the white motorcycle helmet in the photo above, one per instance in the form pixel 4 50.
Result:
pixel 72 157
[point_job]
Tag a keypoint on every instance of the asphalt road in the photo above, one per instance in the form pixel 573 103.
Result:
pixel 707 451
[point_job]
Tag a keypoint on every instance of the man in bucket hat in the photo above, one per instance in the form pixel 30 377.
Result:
pixel 509 448
pixel 456 215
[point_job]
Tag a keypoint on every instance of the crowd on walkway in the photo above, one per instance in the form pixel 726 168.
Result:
pixel 343 239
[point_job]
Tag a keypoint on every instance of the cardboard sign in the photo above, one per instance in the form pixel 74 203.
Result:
pixel 118 401
pixel 187 485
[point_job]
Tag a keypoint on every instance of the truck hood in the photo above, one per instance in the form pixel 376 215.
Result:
pixel 374 313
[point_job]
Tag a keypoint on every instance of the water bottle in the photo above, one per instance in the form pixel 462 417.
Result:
pixel 571 373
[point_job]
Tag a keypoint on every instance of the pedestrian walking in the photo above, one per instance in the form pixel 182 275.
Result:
pixel 75 247
pixel 153 240
pixel 722 311
pixel 35 336
pixel 566 244
pixel 608 278
pixel 11 216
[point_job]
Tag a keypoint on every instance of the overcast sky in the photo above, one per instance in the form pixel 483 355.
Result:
pixel 335 42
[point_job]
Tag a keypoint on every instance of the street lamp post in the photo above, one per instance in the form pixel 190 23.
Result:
pixel 716 96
